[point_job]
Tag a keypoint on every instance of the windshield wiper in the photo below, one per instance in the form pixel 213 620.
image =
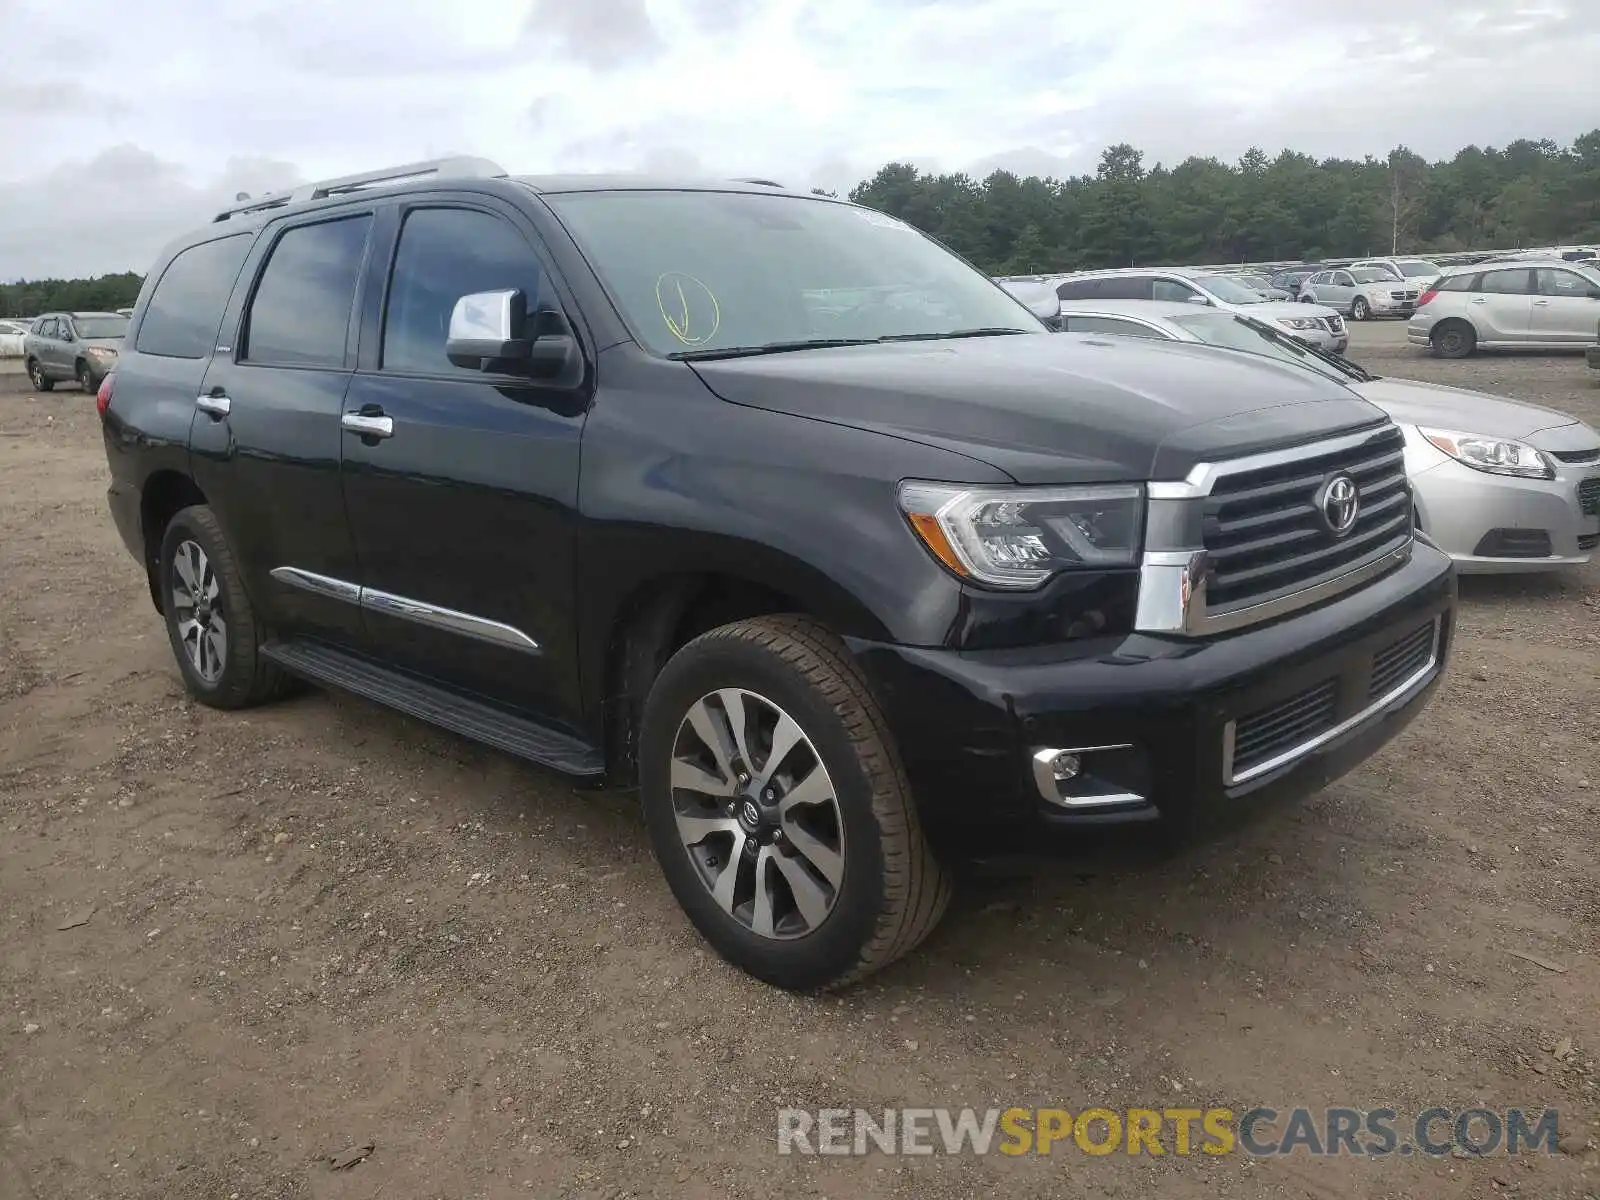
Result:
pixel 987 331
pixel 767 348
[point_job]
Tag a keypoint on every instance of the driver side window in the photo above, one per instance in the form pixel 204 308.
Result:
pixel 444 254
pixel 1171 290
pixel 1344 279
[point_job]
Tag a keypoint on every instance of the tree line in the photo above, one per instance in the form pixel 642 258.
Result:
pixel 1259 209
pixel 107 293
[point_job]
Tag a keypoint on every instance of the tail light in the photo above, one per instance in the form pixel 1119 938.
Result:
pixel 102 398
pixel 1426 296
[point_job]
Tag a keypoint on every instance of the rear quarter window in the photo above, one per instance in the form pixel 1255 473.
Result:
pixel 186 308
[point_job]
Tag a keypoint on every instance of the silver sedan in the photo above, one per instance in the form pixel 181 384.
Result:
pixel 1499 485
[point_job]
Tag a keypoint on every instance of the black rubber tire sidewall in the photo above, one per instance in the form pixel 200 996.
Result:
pixel 1470 341
pixel 834 950
pixel 40 381
pixel 245 679
pixel 86 379
pixel 1359 309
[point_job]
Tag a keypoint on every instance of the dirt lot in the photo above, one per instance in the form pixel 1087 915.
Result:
pixel 320 925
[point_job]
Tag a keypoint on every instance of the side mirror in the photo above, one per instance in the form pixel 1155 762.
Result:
pixel 1047 307
pixel 1196 298
pixel 487 327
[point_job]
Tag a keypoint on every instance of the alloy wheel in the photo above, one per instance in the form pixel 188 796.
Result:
pixel 197 607
pixel 36 377
pixel 757 813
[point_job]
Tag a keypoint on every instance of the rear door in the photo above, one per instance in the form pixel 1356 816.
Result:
pixel 1503 307
pixel 1564 309
pixel 463 511
pixel 51 345
pixel 266 440
pixel 1339 292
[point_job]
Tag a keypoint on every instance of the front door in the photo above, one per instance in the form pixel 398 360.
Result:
pixel 1565 309
pixel 461 485
pixel 1503 305
pixel 265 439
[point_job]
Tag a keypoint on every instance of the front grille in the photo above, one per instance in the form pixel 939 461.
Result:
pixel 1397 663
pixel 1578 456
pixel 1266 538
pixel 1284 725
pixel 1589 496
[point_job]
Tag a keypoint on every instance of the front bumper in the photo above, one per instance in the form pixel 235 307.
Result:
pixel 969 724
pixel 1470 514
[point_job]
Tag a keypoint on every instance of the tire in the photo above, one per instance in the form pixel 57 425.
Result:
pixel 890 890
pixel 37 377
pixel 229 671
pixel 85 378
pixel 1453 339
pixel 1308 298
pixel 1359 309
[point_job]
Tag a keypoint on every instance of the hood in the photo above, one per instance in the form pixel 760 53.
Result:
pixel 1271 310
pixel 1053 408
pixel 1409 402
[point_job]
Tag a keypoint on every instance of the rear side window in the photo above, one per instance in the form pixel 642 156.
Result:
pixel 1080 289
pixel 1506 283
pixel 445 254
pixel 45 327
pixel 185 309
pixel 1112 325
pixel 1458 283
pixel 300 315
pixel 1125 287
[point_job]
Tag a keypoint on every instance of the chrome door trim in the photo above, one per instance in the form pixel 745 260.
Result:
pixel 217 406
pixel 449 619
pixel 322 585
pixel 433 615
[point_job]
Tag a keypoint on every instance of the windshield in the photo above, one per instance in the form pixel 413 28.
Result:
pixel 100 327
pixel 702 272
pixel 1228 289
pixel 1371 275
pixel 1416 268
pixel 1253 281
pixel 1234 332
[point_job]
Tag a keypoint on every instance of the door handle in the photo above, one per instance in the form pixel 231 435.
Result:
pixel 216 406
pixel 1540 303
pixel 367 425
pixel 1480 300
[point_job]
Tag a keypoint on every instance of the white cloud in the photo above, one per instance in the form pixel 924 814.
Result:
pixel 188 97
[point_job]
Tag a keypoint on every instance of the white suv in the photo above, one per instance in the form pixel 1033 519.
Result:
pixel 1361 292
pixel 1310 323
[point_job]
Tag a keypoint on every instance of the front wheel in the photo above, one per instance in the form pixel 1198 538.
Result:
pixel 37 377
pixel 86 378
pixel 779 810
pixel 1359 310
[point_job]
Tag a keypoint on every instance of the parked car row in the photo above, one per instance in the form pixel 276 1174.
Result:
pixel 12 334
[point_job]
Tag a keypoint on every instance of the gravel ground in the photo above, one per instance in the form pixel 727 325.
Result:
pixel 319 925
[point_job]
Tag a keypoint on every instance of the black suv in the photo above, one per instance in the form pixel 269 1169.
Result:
pixel 773 507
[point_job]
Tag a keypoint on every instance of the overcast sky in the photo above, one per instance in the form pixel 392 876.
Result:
pixel 122 123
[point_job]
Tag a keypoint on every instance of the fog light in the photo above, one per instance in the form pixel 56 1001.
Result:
pixel 1065 766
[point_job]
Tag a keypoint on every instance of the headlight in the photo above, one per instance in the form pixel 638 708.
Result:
pixel 1018 537
pixel 1298 322
pixel 100 352
pixel 1498 456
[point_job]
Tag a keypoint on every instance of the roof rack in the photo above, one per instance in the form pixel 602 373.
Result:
pixel 460 168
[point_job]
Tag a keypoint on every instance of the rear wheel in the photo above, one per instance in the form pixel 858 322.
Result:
pixel 37 378
pixel 1359 310
pixel 778 808
pixel 212 626
pixel 1453 339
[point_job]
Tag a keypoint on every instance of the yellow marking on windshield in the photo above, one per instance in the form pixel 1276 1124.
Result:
pixel 689 318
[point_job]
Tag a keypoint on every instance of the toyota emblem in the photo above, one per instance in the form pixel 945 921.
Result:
pixel 1339 502
pixel 750 814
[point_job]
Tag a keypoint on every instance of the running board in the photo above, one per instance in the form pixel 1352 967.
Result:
pixel 441 706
